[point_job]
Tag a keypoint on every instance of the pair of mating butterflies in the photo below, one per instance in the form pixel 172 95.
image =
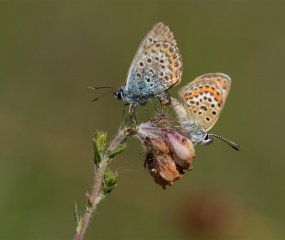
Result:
pixel 157 67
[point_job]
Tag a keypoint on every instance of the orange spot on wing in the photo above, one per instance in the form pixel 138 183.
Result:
pixel 168 53
pixel 212 91
pixel 223 84
pixel 202 90
pixel 196 93
pixel 172 66
pixel 217 97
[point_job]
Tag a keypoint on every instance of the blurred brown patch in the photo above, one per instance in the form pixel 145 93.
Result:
pixel 211 214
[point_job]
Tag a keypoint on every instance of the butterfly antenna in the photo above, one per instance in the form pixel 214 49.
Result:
pixel 232 144
pixel 95 88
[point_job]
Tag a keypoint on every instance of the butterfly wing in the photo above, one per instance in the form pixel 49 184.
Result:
pixel 157 65
pixel 204 98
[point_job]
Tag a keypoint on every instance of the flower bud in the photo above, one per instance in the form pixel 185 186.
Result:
pixel 157 145
pixel 163 169
pixel 168 153
pixel 183 150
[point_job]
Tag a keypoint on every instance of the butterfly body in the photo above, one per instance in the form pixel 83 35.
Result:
pixel 190 128
pixel 156 67
pixel 202 103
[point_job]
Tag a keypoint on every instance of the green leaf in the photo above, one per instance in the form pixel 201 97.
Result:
pixel 99 142
pixel 89 202
pixel 109 182
pixel 121 147
pixel 77 220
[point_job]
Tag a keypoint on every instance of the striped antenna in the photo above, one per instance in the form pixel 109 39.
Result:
pixel 231 143
pixel 95 88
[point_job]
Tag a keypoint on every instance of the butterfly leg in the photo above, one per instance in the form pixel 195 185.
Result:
pixel 147 112
pixel 156 109
pixel 124 109
pixel 132 109
pixel 132 112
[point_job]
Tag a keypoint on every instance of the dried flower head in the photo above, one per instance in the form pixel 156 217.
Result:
pixel 168 153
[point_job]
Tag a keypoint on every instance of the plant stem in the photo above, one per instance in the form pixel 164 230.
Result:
pixel 95 198
pixel 96 193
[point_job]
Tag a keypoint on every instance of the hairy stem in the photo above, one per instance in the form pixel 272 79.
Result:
pixel 97 193
pixel 95 199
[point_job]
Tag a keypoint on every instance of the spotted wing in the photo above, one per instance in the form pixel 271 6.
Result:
pixel 204 98
pixel 157 65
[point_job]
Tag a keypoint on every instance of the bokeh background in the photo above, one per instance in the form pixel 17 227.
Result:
pixel 50 51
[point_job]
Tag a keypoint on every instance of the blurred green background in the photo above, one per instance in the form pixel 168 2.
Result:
pixel 50 51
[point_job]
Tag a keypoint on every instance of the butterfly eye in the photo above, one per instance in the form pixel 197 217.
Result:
pixel 118 94
pixel 206 140
pixel 206 137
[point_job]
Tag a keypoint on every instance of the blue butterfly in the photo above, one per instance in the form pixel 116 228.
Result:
pixel 156 67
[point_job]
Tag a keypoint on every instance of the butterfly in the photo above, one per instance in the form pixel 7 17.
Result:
pixel 202 103
pixel 156 67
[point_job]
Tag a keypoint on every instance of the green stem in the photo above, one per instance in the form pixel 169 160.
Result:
pixel 96 193
pixel 95 198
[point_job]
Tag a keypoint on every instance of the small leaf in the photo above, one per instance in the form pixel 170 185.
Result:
pixel 76 214
pixel 99 142
pixel 121 147
pixel 78 219
pixel 110 181
pixel 89 202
